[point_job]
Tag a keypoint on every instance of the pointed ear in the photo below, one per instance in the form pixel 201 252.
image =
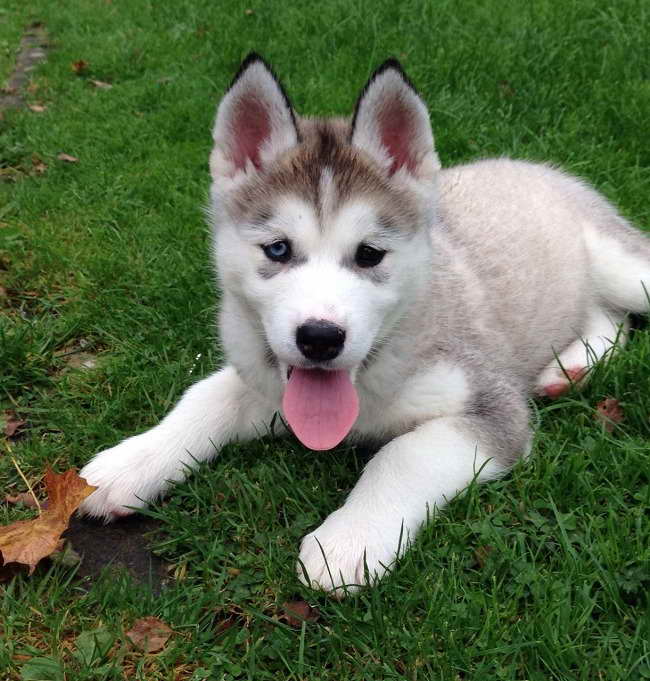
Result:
pixel 255 122
pixel 391 123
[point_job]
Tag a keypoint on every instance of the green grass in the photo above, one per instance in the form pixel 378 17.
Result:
pixel 112 253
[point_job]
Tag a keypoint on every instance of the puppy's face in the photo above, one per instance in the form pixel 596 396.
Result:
pixel 322 227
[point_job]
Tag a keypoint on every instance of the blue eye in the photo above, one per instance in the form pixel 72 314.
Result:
pixel 278 251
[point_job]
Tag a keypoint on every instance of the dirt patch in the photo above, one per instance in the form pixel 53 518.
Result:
pixel 33 49
pixel 122 544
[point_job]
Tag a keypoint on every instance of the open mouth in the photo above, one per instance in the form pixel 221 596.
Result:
pixel 320 405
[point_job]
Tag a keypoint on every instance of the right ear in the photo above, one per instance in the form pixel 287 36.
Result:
pixel 391 124
pixel 255 121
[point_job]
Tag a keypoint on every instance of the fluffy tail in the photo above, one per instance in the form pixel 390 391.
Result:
pixel 620 263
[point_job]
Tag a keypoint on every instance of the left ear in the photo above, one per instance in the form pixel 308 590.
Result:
pixel 391 123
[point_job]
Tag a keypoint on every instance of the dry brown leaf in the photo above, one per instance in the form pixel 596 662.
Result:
pixel 82 360
pixel 28 541
pixel 80 66
pixel 101 85
pixel 38 165
pixel 37 108
pixel 609 413
pixel 149 634
pixel 482 553
pixel 297 612
pixel 224 625
pixel 66 157
pixel 24 498
pixel 12 423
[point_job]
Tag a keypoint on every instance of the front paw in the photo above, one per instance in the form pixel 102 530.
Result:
pixel 126 478
pixel 348 551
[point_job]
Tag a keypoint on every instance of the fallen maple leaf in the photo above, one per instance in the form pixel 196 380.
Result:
pixel 66 157
pixel 297 612
pixel 609 413
pixel 28 541
pixel 149 634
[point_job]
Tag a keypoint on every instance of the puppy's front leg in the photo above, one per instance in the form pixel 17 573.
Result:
pixel 415 473
pixel 211 413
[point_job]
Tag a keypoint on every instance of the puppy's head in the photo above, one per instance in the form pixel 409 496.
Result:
pixel 322 225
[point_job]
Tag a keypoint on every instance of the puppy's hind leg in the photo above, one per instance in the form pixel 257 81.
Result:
pixel 213 412
pixel 605 333
pixel 620 264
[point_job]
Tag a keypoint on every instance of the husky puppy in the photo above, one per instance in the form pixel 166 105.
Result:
pixel 369 294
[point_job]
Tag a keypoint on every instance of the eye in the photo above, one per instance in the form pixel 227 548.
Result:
pixel 367 256
pixel 278 251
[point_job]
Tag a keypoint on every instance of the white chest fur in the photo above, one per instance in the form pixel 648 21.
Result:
pixel 391 405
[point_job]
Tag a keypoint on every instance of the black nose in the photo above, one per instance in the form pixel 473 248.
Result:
pixel 320 340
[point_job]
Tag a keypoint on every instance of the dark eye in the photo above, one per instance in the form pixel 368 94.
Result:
pixel 278 251
pixel 367 256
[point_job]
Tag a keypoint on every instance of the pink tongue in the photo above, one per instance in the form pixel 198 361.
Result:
pixel 320 406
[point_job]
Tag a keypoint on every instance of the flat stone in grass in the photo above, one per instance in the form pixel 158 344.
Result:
pixel 31 51
pixel 122 544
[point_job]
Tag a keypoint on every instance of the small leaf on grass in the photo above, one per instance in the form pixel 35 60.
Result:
pixel 81 360
pixel 38 165
pixel 149 634
pixel 101 85
pixel 224 625
pixel 297 612
pixel 67 158
pixel 482 553
pixel 12 423
pixel 28 541
pixel 609 413
pixel 37 108
pixel 24 498
pixel 80 66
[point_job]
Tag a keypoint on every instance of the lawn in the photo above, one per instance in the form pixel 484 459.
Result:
pixel 107 312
